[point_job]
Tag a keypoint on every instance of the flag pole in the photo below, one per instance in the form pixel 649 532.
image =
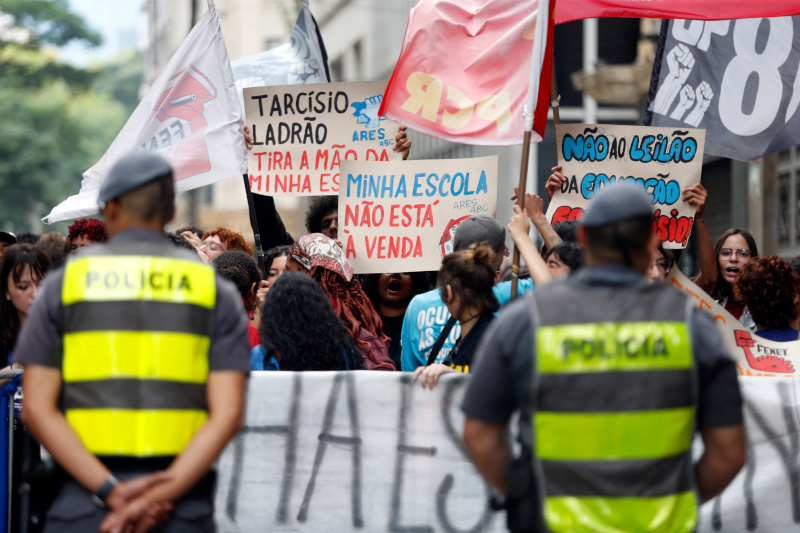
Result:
pixel 254 224
pixel 539 52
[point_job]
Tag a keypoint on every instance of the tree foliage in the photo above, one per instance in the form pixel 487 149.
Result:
pixel 56 120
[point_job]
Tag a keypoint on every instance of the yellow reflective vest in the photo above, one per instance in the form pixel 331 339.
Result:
pixel 614 411
pixel 136 344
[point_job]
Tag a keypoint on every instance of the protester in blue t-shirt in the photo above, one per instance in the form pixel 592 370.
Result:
pixel 427 314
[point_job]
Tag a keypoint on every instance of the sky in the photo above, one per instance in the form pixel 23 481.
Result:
pixel 120 22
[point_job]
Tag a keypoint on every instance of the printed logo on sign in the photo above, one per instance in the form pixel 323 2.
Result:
pixel 769 361
pixel 180 110
pixel 449 235
pixel 366 113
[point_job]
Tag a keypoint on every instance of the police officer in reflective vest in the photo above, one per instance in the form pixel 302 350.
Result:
pixel 136 359
pixel 611 376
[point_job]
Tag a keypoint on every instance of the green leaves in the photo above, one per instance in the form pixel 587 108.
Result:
pixel 56 120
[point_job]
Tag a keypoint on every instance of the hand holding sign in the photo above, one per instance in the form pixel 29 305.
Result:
pixel 662 161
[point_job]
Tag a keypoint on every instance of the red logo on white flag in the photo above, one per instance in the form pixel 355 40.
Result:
pixel 180 110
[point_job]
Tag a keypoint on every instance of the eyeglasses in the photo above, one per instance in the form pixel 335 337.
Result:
pixel 507 251
pixel 741 253
pixel 661 264
pixel 214 247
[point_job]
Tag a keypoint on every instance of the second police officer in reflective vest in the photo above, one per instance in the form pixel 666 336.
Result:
pixel 135 359
pixel 612 376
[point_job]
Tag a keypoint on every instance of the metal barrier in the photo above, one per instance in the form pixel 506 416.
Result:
pixel 10 374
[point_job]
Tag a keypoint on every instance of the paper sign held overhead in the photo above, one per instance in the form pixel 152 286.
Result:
pixel 662 161
pixel 402 216
pixel 303 133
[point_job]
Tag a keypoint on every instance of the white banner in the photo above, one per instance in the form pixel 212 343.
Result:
pixel 351 451
pixel 190 115
pixel 373 451
pixel 765 496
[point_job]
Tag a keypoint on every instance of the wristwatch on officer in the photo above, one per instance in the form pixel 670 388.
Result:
pixel 100 497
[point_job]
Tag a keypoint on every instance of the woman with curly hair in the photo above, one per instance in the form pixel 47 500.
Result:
pixel 321 258
pixel 390 295
pixel 301 331
pixel 218 241
pixel 771 290
pixel 85 232
pixel 323 216
pixel 466 280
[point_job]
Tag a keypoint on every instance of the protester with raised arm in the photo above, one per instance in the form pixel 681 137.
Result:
pixel 611 375
pixel 733 250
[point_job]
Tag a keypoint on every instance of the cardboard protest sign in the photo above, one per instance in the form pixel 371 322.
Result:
pixel 351 451
pixel 662 161
pixel 303 132
pixel 754 355
pixel 402 216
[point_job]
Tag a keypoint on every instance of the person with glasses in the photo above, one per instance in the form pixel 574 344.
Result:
pixel 220 240
pixel 663 260
pixel 771 289
pixel 734 249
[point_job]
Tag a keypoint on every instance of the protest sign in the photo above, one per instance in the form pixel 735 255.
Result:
pixel 351 451
pixel 754 355
pixel 302 133
pixel 402 216
pixel 705 76
pixel 662 161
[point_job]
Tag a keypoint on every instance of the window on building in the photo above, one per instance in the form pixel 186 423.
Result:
pixel 787 202
pixel 783 237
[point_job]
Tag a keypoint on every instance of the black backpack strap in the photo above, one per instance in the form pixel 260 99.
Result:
pixel 437 347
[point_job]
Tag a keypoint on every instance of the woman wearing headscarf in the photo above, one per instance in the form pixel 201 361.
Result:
pixel 322 259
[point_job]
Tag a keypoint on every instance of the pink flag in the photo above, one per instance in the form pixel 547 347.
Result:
pixel 464 71
pixel 569 10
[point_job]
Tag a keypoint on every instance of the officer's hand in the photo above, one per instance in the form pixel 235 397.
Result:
pixel 140 515
pixel 126 491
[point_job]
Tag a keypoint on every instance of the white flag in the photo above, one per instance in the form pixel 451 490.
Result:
pixel 190 115
pixel 301 60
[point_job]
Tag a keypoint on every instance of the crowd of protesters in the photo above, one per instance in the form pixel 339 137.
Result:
pixel 306 309
pixel 410 321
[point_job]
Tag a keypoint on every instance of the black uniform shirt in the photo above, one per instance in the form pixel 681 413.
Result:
pixel 501 376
